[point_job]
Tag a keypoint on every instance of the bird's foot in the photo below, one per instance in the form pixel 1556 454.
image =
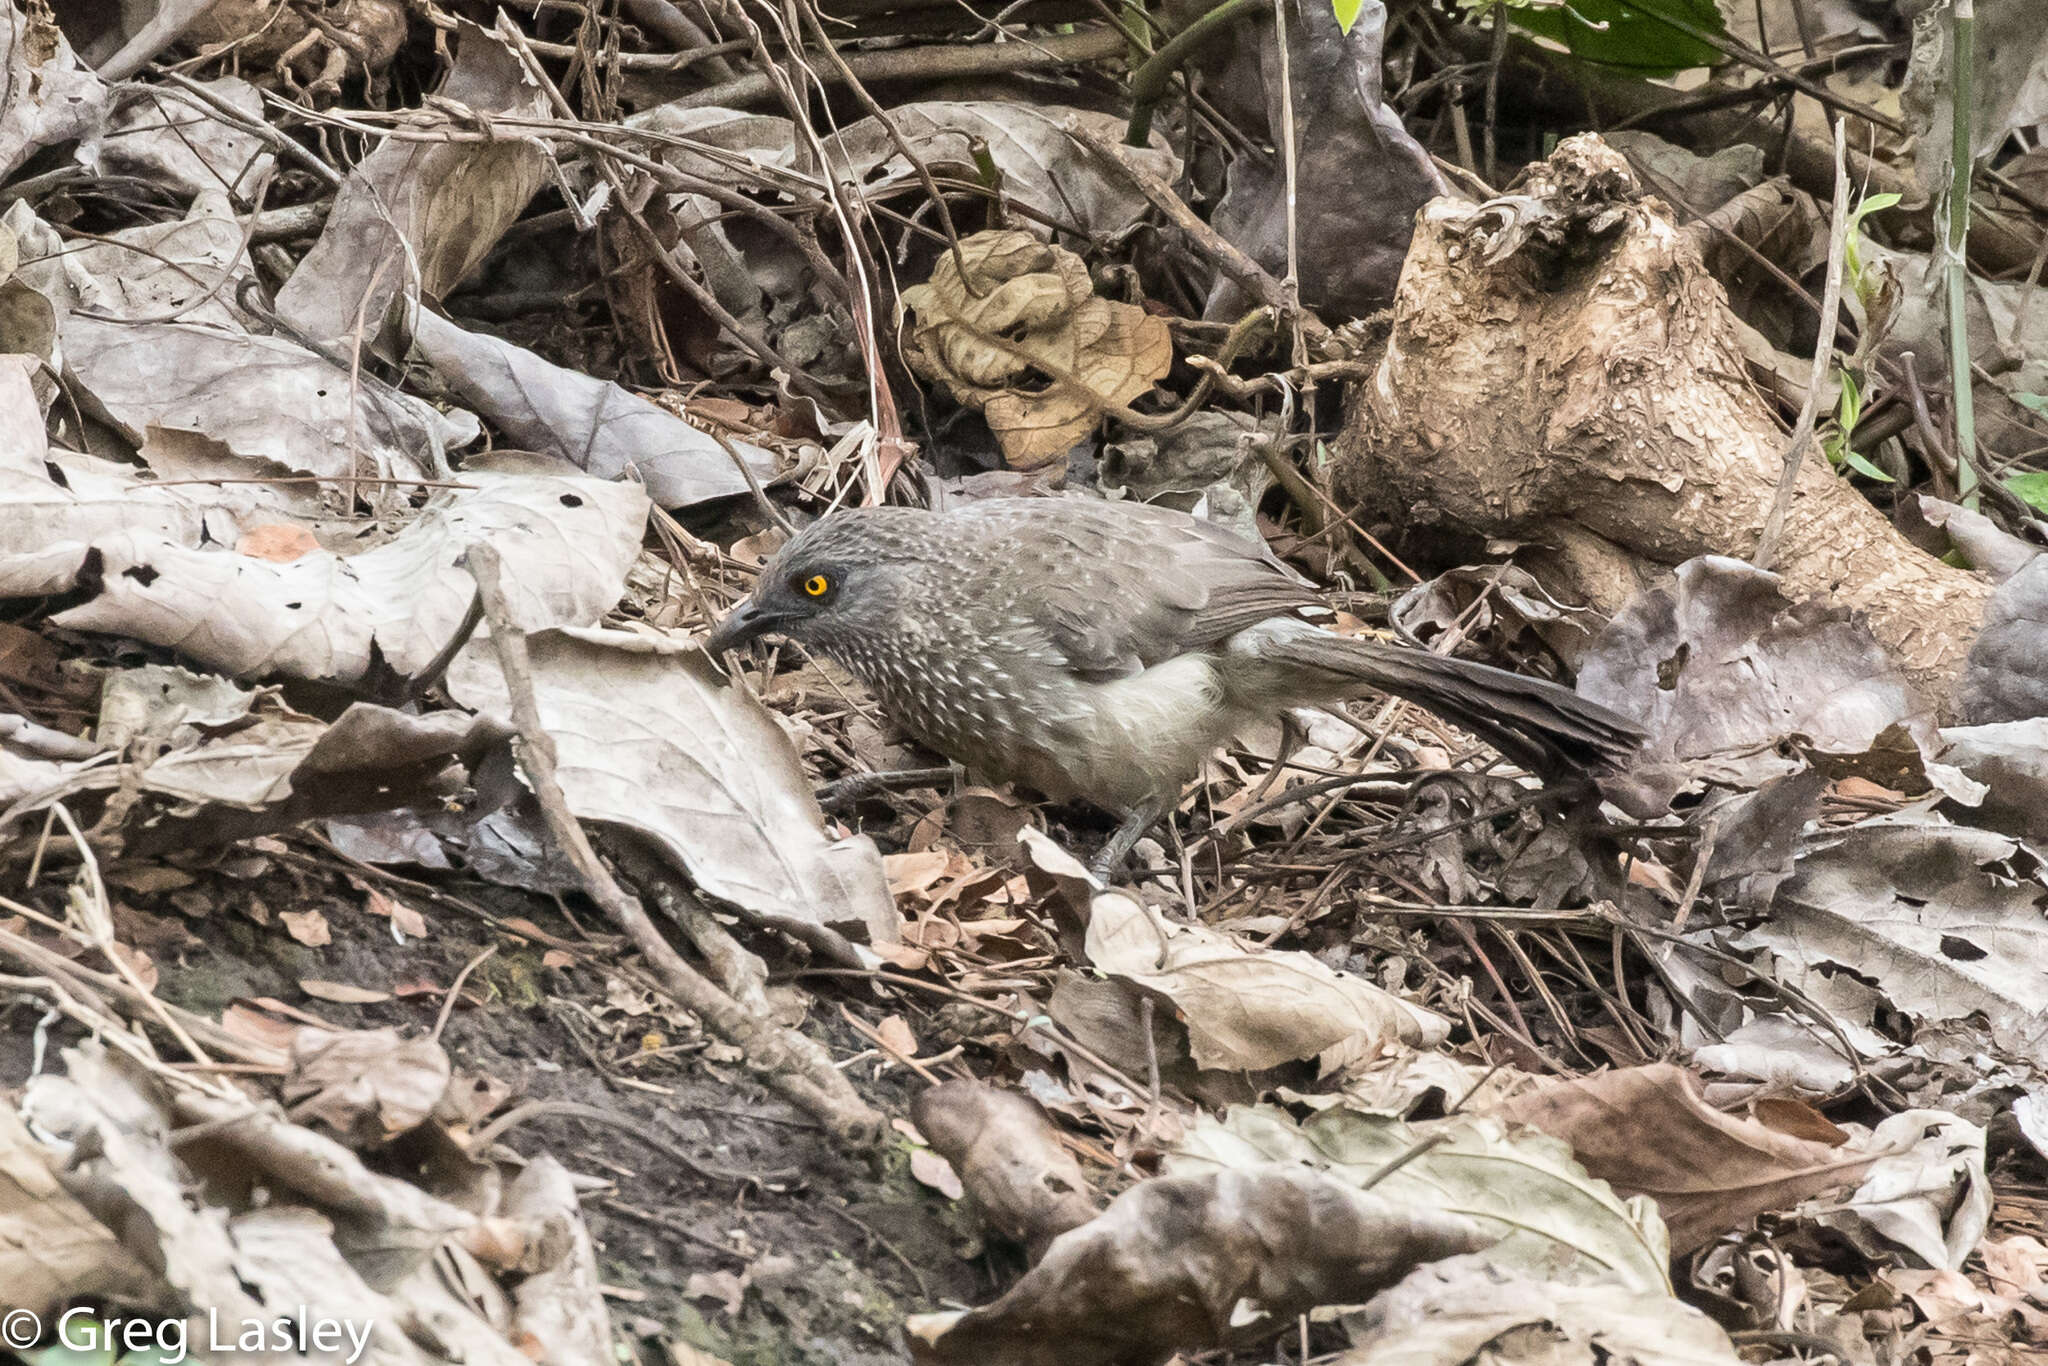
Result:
pixel 835 796
pixel 1108 862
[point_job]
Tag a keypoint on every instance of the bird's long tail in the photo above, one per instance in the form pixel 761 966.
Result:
pixel 1546 728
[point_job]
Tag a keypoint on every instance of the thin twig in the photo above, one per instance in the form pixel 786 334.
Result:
pixel 1823 359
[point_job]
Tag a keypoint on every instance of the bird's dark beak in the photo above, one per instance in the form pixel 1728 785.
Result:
pixel 742 624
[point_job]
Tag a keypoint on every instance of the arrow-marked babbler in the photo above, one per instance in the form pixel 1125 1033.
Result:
pixel 1104 650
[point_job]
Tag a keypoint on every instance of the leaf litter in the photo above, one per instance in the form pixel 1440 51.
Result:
pixel 334 984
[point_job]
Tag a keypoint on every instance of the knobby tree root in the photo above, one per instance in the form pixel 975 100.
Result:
pixel 1564 373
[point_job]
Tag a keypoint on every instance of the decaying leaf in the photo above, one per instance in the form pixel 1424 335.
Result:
pixel 368 1085
pixel 1009 1159
pixel 51 1249
pixel 1926 1191
pixel 1220 1258
pixel 325 615
pixel 418 215
pixel 52 97
pixel 1552 1217
pixel 647 737
pixel 1030 343
pixel 1246 1008
pixel 1945 921
pixel 1470 1311
pixel 1725 671
pixel 1647 1131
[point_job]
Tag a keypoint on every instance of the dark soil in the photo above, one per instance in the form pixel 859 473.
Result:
pixel 829 1251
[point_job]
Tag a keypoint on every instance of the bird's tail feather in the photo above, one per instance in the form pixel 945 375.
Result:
pixel 1543 726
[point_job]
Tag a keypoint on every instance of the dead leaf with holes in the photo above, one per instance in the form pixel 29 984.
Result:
pixel 1030 344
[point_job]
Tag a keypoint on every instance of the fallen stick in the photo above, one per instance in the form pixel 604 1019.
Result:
pixel 790 1064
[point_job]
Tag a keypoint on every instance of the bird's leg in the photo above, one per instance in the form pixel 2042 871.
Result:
pixel 860 786
pixel 1110 859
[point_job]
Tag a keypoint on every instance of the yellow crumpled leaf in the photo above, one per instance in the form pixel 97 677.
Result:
pixel 1031 345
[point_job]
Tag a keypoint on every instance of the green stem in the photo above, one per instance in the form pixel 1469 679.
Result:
pixel 1962 39
pixel 1149 81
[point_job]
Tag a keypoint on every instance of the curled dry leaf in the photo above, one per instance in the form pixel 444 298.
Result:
pixel 1648 1131
pixel 1552 1217
pixel 418 215
pixel 1031 344
pixel 1469 1310
pixel 1216 1259
pixel 1946 920
pixel 51 1249
pixel 648 737
pixel 1723 669
pixel 52 96
pixel 1247 1009
pixel 1026 1184
pixel 1926 1191
pixel 559 1312
pixel 368 1085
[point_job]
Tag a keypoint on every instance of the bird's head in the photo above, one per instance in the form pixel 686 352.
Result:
pixel 837 580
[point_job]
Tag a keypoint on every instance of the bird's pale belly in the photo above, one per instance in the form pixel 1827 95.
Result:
pixel 1118 744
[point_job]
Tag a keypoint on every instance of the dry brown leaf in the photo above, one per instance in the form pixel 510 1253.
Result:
pixel 1031 317
pixel 935 1171
pixel 404 918
pixel 368 1085
pixel 341 993
pixel 308 927
pixel 1647 1131
pixel 1025 1183
pixel 894 1033
pixel 253 1026
pixel 1247 1009
pixel 1219 1259
pixel 51 1249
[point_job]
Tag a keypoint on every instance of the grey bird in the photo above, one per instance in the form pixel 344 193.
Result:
pixel 1105 650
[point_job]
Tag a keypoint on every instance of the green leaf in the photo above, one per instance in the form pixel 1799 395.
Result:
pixel 1347 12
pixel 1623 33
pixel 2033 402
pixel 1861 464
pixel 2031 488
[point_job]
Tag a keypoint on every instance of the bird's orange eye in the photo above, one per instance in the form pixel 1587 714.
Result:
pixel 817 585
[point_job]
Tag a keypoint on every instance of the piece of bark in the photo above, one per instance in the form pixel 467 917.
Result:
pixel 1562 371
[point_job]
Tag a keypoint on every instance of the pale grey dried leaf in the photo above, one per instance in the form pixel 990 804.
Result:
pixel 322 615
pixel 417 216
pixel 1726 674
pixel 1217 1258
pixel 51 1249
pixel 592 423
pixel 1523 1186
pixel 559 1306
pixel 368 1085
pixel 51 97
pixel 648 736
pixel 1927 1191
pixel 1945 920
pixel 1248 1008
pixel 261 396
pixel 183 144
pixel 1983 542
pixel 189 265
pixel 1470 1311
pixel 2011 759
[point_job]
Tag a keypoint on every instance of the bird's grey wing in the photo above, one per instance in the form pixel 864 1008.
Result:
pixel 1121 587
